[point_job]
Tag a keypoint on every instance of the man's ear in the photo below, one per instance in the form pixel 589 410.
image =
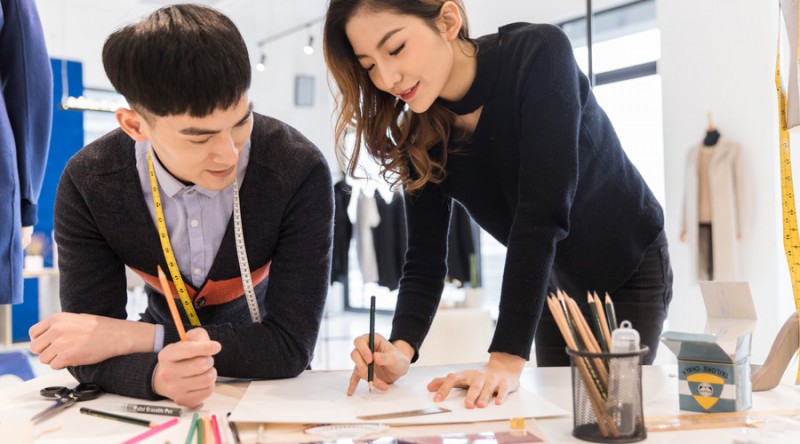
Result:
pixel 450 20
pixel 133 124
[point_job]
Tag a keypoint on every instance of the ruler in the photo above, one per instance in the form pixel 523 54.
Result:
pixel 405 414
pixel 791 239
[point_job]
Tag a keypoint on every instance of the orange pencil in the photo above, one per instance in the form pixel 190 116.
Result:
pixel 171 303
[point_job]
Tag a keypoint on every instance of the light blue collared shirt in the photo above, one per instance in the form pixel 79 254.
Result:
pixel 196 218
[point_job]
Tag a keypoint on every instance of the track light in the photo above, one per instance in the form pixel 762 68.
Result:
pixel 309 48
pixel 260 66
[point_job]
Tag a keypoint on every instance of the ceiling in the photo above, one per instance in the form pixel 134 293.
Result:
pixel 261 18
pixel 76 29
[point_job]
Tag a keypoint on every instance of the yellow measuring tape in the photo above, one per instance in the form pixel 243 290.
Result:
pixel 174 272
pixel 791 239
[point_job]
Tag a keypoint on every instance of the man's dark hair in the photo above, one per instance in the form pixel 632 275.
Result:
pixel 180 59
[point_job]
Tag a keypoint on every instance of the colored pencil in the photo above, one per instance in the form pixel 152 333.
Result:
pixel 115 417
pixel 207 433
pixel 152 431
pixel 192 428
pixel 176 317
pixel 371 366
pixel 215 428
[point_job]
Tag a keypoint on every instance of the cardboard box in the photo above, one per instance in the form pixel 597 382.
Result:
pixel 714 367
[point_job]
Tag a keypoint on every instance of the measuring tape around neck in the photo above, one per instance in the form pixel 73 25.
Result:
pixel 791 238
pixel 172 264
pixel 241 254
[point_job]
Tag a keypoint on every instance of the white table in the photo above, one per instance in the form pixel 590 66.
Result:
pixel 660 399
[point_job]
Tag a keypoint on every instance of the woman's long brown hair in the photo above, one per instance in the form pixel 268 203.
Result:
pixel 399 139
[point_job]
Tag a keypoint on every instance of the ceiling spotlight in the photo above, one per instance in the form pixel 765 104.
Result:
pixel 309 48
pixel 260 66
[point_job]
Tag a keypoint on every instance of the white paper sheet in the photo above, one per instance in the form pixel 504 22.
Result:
pixel 319 397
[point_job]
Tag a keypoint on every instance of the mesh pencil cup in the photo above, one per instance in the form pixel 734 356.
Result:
pixel 607 401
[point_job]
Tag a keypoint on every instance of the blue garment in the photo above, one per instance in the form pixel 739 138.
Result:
pixel 26 112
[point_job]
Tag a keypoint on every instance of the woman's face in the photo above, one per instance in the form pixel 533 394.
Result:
pixel 403 55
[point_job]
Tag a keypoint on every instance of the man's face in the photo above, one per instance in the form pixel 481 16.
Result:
pixel 202 150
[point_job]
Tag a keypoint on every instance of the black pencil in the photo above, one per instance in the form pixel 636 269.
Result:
pixel 371 366
pixel 137 421
pixel 612 315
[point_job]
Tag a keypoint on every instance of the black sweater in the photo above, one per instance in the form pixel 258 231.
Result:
pixel 543 173
pixel 102 224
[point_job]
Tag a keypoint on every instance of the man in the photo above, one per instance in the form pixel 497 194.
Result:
pixel 191 135
pixel 26 111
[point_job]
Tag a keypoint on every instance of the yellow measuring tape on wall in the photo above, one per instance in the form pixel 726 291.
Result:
pixel 791 238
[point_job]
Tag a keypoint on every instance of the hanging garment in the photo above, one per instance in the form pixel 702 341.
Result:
pixel 729 206
pixel 342 232
pixel 367 218
pixel 390 240
pixel 789 63
pixel 463 242
pixel 26 112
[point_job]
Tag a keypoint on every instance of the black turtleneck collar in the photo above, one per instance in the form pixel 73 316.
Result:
pixel 485 77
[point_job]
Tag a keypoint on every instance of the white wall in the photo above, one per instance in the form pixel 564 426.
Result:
pixel 719 57
pixel 272 90
pixel 77 29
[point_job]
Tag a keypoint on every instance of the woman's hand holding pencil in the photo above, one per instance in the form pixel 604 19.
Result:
pixel 390 361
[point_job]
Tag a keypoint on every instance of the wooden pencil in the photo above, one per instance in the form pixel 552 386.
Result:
pixel 570 322
pixel 176 317
pixel 596 326
pixel 603 419
pixel 591 346
pixel 603 321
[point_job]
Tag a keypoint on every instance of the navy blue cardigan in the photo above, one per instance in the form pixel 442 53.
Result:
pixel 543 173
pixel 102 224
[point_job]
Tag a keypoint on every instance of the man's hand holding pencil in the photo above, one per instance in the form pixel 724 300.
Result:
pixel 185 371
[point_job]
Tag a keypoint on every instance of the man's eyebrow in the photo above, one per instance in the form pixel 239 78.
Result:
pixel 382 41
pixel 193 131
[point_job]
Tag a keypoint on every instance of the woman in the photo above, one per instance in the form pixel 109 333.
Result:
pixel 506 125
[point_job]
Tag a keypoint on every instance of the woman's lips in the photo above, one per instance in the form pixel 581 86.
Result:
pixel 409 93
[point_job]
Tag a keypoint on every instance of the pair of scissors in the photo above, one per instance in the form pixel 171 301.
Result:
pixel 65 397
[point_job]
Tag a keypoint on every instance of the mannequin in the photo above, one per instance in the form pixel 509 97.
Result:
pixel 705 259
pixel 715 201
pixel 712 136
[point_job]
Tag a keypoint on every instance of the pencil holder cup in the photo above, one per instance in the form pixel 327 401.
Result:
pixel 607 396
